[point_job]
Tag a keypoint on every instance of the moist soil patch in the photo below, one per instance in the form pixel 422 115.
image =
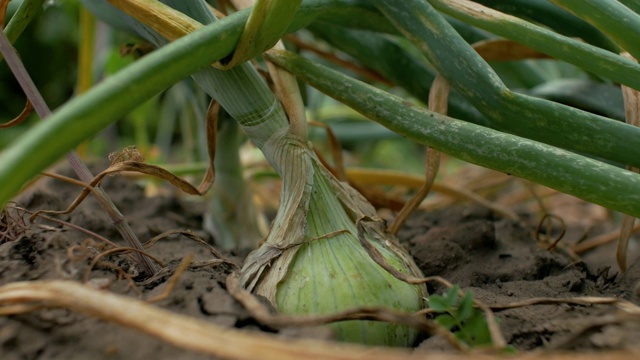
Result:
pixel 496 258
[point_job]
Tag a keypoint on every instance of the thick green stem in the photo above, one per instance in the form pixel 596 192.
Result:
pixel 84 116
pixel 378 52
pixel 22 17
pixel 519 114
pixel 585 56
pixel 611 17
pixel 240 90
pixel 545 13
pixel 632 4
pixel 232 218
pixel 573 174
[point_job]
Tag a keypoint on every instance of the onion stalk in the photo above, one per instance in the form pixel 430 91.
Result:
pixel 312 261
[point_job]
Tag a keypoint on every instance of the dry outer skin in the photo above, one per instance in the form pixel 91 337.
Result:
pixel 495 258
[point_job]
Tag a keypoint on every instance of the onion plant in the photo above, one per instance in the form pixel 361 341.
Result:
pixel 312 261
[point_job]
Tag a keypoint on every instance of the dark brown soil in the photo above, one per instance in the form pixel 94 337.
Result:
pixel 498 259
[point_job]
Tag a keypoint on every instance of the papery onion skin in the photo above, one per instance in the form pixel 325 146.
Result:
pixel 333 272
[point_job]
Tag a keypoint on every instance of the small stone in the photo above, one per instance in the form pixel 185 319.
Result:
pixel 218 302
pixel 610 337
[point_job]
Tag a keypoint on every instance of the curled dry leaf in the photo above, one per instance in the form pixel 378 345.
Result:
pixel 335 148
pixel 438 102
pixel 28 109
pixel 506 50
pixel 131 160
pixel 3 12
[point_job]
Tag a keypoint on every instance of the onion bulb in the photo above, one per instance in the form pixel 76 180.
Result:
pixel 312 261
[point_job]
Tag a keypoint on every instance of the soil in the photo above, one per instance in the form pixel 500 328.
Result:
pixel 496 258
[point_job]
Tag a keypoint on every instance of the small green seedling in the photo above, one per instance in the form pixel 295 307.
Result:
pixel 459 316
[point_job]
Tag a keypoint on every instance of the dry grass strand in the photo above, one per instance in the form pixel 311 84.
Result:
pixel 208 338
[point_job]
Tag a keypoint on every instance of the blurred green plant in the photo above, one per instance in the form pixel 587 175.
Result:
pixel 55 35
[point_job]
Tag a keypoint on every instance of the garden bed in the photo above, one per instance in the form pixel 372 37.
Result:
pixel 496 258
